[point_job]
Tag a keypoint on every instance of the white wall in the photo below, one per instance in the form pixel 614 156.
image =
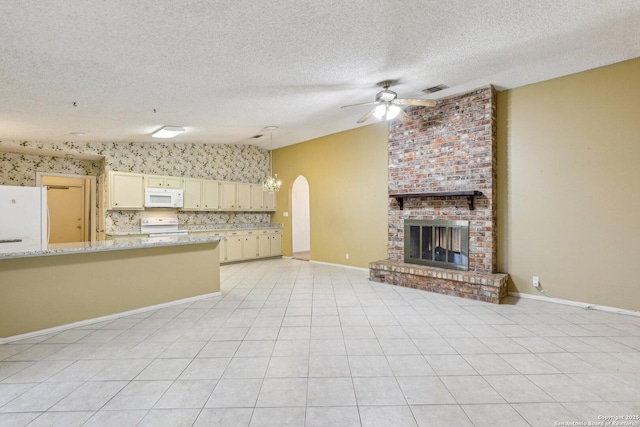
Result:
pixel 300 215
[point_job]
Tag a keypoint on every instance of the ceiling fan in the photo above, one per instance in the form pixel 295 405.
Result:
pixel 388 104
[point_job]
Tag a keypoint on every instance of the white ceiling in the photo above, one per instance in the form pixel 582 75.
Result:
pixel 226 69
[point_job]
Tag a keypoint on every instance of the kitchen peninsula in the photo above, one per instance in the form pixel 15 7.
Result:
pixel 60 284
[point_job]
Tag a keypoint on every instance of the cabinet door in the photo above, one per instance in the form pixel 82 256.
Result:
pixel 227 195
pixel 249 246
pixel 234 247
pixel 192 194
pixel 211 195
pixel 270 200
pixel 126 191
pixel 264 245
pixel 257 197
pixel 154 181
pixel 243 196
pixel 276 243
pixel 172 182
pixel 222 247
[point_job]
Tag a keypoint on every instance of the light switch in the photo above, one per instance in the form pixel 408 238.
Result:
pixel 285 213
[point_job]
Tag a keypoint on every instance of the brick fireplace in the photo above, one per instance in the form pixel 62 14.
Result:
pixel 442 167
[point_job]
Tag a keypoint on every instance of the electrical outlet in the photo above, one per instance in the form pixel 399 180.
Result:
pixel 347 256
pixel 536 281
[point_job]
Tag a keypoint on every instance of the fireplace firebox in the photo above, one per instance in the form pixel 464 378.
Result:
pixel 437 243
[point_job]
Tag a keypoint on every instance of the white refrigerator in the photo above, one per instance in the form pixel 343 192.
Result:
pixel 23 218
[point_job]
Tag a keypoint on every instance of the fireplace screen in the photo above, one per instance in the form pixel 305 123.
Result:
pixel 437 243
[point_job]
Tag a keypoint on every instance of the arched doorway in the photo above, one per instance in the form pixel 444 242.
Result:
pixel 300 219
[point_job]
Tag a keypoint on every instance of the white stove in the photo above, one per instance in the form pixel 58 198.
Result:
pixel 161 227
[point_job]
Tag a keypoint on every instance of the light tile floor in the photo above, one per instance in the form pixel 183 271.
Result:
pixel 293 343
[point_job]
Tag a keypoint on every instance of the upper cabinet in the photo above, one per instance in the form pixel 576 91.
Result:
pixel 269 200
pixel 211 195
pixel 243 196
pixel 257 197
pixel 125 191
pixel 228 196
pixel 192 194
pixel 158 181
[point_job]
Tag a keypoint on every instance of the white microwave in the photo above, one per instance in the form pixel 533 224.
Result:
pixel 163 198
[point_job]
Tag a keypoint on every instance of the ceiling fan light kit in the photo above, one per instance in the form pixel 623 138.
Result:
pixel 168 132
pixel 387 104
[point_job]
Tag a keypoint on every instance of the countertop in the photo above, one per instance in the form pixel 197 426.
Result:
pixel 122 231
pixel 133 242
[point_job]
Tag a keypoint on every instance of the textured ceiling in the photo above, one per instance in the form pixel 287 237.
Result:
pixel 227 69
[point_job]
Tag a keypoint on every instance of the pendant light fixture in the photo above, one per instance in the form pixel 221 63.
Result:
pixel 272 183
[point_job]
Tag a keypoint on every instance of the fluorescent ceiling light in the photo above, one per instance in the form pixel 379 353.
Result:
pixel 168 132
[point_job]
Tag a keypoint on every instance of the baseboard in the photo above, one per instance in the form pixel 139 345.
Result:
pixel 105 318
pixel 340 265
pixel 584 305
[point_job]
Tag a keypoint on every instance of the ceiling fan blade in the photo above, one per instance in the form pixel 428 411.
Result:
pixel 404 117
pixel 415 102
pixel 364 103
pixel 366 116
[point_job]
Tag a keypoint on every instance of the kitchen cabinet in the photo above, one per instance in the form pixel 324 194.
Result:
pixel 125 191
pixel 249 245
pixel 276 242
pixel 227 196
pixel 235 196
pixel 158 181
pixel 257 197
pixel 211 195
pixel 192 194
pixel 243 196
pixel 234 247
pixel 269 200
pixel 264 244
pixel 246 244
pixel 222 246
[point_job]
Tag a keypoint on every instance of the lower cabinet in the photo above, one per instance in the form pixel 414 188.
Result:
pixel 264 244
pixel 245 245
pixel 249 245
pixel 234 247
pixel 276 243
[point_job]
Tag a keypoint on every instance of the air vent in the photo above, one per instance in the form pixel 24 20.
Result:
pixel 437 88
pixel 256 136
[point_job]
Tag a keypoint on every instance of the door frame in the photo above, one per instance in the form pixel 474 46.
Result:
pixel 92 179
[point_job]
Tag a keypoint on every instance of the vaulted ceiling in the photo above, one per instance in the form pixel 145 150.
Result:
pixel 117 70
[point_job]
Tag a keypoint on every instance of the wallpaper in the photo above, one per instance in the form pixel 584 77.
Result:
pixel 20 169
pixel 242 163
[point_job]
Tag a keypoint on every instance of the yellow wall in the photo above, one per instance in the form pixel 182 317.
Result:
pixel 347 174
pixel 44 292
pixel 569 186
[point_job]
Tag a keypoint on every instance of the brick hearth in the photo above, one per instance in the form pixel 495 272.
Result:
pixel 479 286
pixel 450 147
